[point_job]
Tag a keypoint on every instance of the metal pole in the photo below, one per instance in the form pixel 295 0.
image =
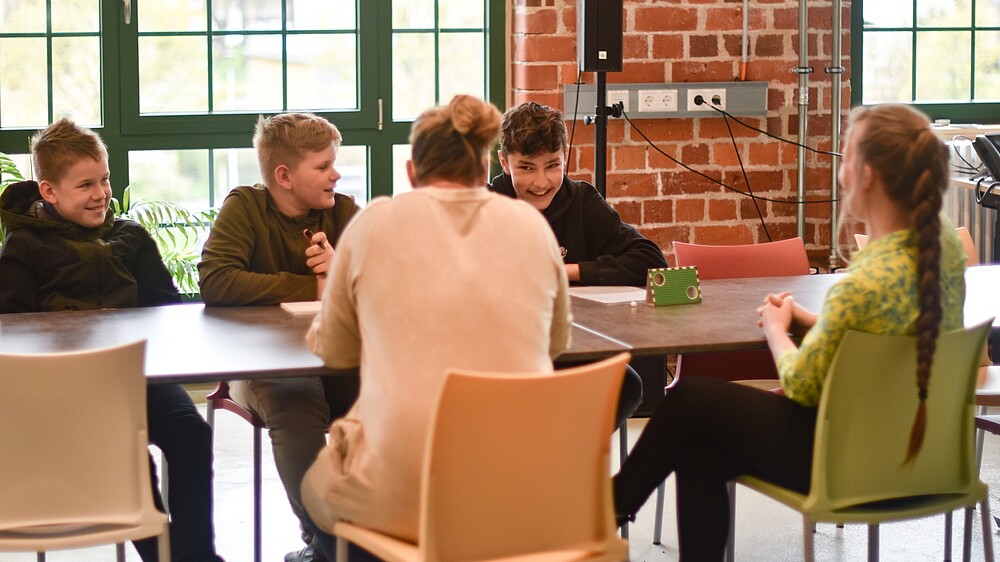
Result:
pixel 835 70
pixel 601 135
pixel 803 71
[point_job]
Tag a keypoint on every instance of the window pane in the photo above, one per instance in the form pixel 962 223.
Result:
pixel 462 67
pixel 400 181
pixel 233 167
pixel 27 16
pixel 943 59
pixel 352 163
pixel 412 14
pixel 887 65
pixel 76 79
pixel 246 15
pixel 247 73
pixel 23 90
pixel 178 176
pixel 321 14
pixel 170 15
pixel 987 65
pixel 76 15
pixel 461 13
pixel 173 74
pixel 888 13
pixel 944 13
pixel 23 163
pixel 413 74
pixel 322 72
pixel 987 13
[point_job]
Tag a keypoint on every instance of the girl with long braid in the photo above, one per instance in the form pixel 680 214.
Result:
pixel 909 279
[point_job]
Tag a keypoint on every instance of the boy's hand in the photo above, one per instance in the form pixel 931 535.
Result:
pixel 319 255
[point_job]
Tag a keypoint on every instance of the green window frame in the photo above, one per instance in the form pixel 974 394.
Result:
pixel 369 125
pixel 929 50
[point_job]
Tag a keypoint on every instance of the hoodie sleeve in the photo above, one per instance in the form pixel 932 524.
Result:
pixel 18 286
pixel 622 255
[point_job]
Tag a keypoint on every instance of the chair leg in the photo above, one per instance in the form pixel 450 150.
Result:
pixel 731 539
pixel 984 508
pixel 873 542
pixel 120 552
pixel 341 549
pixel 622 453
pixel 40 556
pixel 980 436
pixel 256 495
pixel 658 519
pixel 967 536
pixel 808 540
pixel 947 537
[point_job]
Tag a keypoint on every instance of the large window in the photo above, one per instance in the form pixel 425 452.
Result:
pixel 941 55
pixel 175 86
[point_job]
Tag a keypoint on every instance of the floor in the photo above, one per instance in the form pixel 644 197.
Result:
pixel 766 530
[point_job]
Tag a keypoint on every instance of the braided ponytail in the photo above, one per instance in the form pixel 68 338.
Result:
pixel 913 166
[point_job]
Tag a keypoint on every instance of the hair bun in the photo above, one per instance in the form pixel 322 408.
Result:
pixel 472 117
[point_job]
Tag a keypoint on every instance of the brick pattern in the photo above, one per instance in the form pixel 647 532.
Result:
pixel 696 41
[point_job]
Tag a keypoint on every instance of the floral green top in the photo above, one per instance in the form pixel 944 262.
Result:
pixel 877 295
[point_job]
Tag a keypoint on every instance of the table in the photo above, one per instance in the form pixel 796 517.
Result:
pixel 191 343
pixel 726 319
pixel 194 343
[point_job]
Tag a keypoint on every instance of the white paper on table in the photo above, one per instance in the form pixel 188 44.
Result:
pixel 302 307
pixel 610 295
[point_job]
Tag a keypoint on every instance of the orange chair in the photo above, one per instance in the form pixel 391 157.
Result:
pixel 770 259
pixel 220 399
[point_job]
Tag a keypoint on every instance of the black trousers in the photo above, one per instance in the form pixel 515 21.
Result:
pixel 709 431
pixel 176 427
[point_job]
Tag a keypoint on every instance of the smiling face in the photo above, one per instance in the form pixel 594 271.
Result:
pixel 82 194
pixel 536 178
pixel 312 181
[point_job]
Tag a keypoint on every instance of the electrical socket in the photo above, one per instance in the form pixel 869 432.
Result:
pixel 713 96
pixel 657 100
pixel 615 96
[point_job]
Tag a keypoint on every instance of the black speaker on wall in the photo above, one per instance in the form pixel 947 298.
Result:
pixel 599 35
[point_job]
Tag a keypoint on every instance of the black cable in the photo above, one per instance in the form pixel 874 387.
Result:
pixel 576 107
pixel 717 181
pixel 981 195
pixel 762 131
pixel 972 168
pixel 739 159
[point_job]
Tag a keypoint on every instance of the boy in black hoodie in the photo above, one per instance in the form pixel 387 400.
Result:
pixel 597 247
pixel 64 250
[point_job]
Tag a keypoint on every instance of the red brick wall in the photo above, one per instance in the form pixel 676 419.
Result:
pixel 696 41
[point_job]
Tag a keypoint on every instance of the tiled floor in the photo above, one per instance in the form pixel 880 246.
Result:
pixel 766 531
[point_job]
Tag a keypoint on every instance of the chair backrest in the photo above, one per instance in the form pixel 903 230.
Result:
pixel 73 429
pixel 768 259
pixel 971 253
pixel 866 413
pixel 520 464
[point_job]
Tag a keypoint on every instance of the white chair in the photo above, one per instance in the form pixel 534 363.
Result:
pixel 75 463
pixel 516 467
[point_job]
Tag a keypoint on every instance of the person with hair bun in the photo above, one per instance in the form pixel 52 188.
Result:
pixel 423 282
pixel 909 280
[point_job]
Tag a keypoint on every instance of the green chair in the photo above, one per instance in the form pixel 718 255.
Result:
pixel 862 432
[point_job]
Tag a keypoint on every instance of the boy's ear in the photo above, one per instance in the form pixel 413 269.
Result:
pixel 282 177
pixel 503 162
pixel 47 193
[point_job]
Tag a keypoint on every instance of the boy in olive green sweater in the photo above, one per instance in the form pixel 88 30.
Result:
pixel 273 243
